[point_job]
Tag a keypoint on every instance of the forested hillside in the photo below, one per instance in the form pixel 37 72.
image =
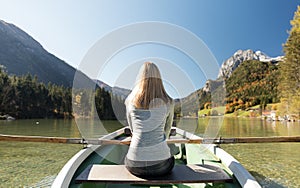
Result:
pixel 252 83
pixel 25 97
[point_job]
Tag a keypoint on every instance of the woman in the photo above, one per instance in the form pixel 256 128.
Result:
pixel 150 116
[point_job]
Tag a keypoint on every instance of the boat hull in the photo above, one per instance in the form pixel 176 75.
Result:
pixel 208 154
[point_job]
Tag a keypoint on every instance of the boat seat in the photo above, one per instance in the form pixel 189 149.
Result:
pixel 127 140
pixel 127 132
pixel 191 173
pixel 174 139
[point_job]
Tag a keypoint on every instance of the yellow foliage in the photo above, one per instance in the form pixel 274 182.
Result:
pixel 274 107
pixel 78 99
pixel 296 21
pixel 207 105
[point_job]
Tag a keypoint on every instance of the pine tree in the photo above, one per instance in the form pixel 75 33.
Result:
pixel 290 70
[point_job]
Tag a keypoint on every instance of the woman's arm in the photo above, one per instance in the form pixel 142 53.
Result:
pixel 128 118
pixel 127 105
pixel 169 120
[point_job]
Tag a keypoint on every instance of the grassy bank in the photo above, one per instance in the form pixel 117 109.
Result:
pixel 253 111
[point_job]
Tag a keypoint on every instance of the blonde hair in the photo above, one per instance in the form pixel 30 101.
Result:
pixel 149 91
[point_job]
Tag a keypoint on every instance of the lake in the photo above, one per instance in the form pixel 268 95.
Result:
pixel 25 164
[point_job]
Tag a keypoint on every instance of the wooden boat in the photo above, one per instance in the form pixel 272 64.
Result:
pixel 197 165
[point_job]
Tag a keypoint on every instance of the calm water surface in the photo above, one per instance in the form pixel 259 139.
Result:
pixel 29 164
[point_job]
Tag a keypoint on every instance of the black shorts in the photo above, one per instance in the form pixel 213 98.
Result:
pixel 150 168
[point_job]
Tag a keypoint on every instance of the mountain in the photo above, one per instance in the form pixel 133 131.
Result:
pixel 245 73
pixel 240 56
pixel 117 91
pixel 20 54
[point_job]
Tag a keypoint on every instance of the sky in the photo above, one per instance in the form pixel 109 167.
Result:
pixel 69 29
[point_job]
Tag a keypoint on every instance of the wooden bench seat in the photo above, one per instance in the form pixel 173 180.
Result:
pixel 190 173
pixel 127 141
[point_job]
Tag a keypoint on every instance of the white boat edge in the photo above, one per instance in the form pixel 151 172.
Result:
pixel 245 179
pixel 64 177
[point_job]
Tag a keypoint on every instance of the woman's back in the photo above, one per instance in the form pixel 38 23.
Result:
pixel 149 133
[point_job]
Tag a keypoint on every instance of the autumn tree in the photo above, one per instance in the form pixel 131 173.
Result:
pixel 290 70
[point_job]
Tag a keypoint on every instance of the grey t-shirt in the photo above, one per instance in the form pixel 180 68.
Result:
pixel 150 129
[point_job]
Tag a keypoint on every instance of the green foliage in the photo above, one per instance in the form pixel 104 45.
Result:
pixel 192 103
pixel 290 71
pixel 177 110
pixel 25 97
pixel 212 112
pixel 109 106
pixel 204 97
pixel 98 103
pixel 252 83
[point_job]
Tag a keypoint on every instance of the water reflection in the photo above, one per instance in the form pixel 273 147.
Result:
pixel 273 164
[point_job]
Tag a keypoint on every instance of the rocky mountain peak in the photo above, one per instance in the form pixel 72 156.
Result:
pixel 240 56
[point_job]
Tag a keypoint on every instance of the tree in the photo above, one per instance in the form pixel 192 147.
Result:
pixel 7 93
pixel 290 70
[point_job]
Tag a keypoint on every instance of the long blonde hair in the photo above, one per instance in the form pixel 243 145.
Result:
pixel 149 91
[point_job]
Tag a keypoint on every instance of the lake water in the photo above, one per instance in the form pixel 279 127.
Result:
pixel 25 164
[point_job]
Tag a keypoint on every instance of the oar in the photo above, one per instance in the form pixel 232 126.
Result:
pixel 127 140
pixel 252 140
pixel 22 138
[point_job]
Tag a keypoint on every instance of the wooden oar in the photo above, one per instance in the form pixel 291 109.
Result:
pixel 22 138
pixel 127 140
pixel 254 139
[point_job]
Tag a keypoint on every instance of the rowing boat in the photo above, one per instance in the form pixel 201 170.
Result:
pixel 197 165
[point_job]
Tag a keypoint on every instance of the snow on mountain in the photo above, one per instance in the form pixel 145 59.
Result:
pixel 240 56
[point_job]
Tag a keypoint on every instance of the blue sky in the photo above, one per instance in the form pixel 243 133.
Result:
pixel 69 28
